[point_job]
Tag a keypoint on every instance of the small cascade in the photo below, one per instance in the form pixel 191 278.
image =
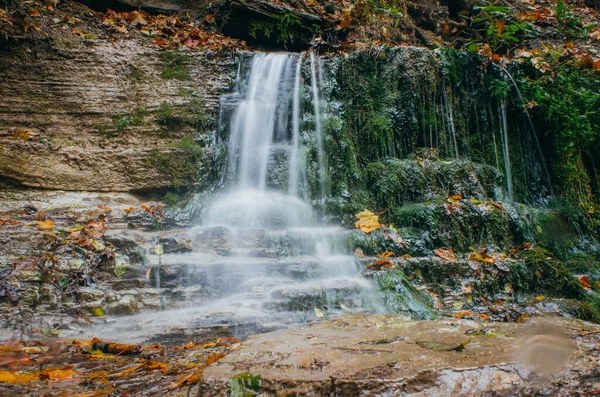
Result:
pixel 294 155
pixel 450 119
pixel 530 122
pixel 318 127
pixel 507 167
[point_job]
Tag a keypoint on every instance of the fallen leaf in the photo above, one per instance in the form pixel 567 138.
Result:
pixel 34 13
pixel 387 254
pixel 455 198
pixel 45 225
pixel 98 312
pixel 446 255
pixel 9 222
pixel 23 134
pixel 210 18
pixel 383 264
pixel 52 374
pixel 319 313
pixel 18 377
pixel 214 357
pixel 188 380
pixel 104 207
pixel 585 282
pixel 367 221
pixel 460 315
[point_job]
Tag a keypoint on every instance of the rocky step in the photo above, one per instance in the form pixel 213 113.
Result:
pixel 323 295
pixel 201 322
pixel 226 273
pixel 285 242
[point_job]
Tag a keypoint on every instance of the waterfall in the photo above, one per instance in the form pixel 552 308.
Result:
pixel 318 128
pixel 509 183
pixel 450 119
pixel 294 156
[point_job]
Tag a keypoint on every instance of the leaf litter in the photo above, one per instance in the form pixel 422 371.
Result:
pixel 97 367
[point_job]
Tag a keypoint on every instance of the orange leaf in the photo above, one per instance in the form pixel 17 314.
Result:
pixel 58 374
pixel 455 198
pixel 501 25
pixel 380 265
pixel 446 255
pixel 23 134
pixel 471 314
pixel 188 380
pixel 214 357
pixel 34 12
pixel 210 18
pixel 17 377
pixel 104 207
pixel 585 282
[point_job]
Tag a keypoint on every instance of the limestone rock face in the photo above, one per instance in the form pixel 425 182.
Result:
pixel 100 115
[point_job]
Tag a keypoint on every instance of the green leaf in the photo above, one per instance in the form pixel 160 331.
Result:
pixel 560 9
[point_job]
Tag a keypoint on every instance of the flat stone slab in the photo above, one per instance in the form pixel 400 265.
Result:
pixel 374 355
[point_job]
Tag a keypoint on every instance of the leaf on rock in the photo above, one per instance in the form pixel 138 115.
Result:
pixel 585 282
pixel 380 265
pixel 367 221
pixel 45 225
pixel 98 312
pixel 446 255
pixel 23 134
pixel 214 357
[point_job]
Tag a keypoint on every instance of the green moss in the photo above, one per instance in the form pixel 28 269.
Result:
pixel 244 385
pixel 193 114
pixel 121 122
pixel 567 102
pixel 175 66
pixel 187 163
pixel 403 297
pixel 546 274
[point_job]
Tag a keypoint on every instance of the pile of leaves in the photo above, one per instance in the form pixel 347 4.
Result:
pixel 169 31
pixel 37 19
pixel 74 255
pixel 96 367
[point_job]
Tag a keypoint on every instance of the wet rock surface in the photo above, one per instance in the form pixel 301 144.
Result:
pixel 389 355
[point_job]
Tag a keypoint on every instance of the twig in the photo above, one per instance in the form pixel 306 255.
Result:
pixel 590 333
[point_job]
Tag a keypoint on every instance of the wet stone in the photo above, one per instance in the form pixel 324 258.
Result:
pixel 379 355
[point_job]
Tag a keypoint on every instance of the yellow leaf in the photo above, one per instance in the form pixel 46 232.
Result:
pixel 98 246
pixel 98 312
pixel 17 377
pixel 367 221
pixel 58 374
pixel 75 229
pixel 45 225
pixel 540 298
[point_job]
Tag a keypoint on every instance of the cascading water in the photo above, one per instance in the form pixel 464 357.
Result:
pixel 261 260
pixel 507 167
pixel 263 150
